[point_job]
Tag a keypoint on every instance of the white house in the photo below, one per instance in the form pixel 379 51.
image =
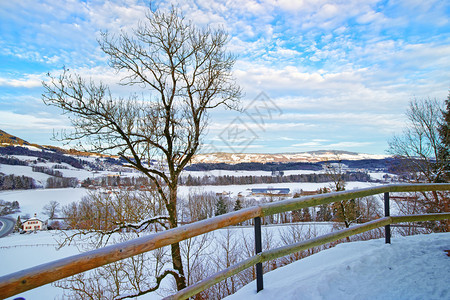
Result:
pixel 33 224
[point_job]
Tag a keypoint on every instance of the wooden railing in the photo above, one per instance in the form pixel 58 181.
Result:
pixel 27 279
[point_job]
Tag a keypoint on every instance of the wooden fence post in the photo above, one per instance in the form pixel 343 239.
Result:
pixel 387 213
pixel 258 249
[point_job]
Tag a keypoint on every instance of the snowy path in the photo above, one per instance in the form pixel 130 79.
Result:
pixel 413 267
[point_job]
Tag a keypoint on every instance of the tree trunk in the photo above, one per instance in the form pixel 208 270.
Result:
pixel 175 248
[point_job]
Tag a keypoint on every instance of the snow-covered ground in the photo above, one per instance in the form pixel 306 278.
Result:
pixel 414 267
pixel 22 251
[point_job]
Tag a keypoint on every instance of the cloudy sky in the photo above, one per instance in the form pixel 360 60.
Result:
pixel 316 74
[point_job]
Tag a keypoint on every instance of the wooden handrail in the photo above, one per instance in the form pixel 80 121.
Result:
pixel 308 201
pixel 30 278
pixel 303 245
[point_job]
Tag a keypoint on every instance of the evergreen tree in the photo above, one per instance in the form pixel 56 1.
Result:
pixel 18 225
pixel 237 205
pixel 324 213
pixel 221 207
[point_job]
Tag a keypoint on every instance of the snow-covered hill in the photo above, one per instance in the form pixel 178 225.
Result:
pixel 315 156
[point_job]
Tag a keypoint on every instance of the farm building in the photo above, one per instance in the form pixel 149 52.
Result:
pixel 271 192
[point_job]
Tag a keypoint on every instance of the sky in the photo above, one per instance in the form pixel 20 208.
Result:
pixel 316 75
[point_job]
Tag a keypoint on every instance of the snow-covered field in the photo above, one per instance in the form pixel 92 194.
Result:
pixel 33 201
pixel 414 267
pixel 293 186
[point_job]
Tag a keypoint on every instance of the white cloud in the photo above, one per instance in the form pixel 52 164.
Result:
pixel 307 144
pixel 369 17
pixel 349 145
pixel 27 81
pixel 16 121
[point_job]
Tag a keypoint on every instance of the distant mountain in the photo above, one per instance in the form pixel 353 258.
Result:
pixel 8 139
pixel 312 156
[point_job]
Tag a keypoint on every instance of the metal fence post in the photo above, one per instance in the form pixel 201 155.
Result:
pixel 258 249
pixel 387 213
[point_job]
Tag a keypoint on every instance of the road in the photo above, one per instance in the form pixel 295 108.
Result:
pixel 7 226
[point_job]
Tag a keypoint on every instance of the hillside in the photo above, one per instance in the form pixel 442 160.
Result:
pixel 222 157
pixel 311 157
pixel 8 139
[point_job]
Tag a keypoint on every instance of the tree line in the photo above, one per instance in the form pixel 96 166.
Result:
pixel 240 180
pixel 371 164
pixel 13 182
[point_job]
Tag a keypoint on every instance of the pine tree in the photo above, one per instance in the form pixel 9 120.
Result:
pixel 237 205
pixel 324 213
pixel 221 207
pixel 18 225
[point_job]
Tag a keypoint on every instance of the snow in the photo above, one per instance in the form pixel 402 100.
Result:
pixel 33 201
pixel 293 186
pixel 26 250
pixel 414 267
pixel 40 178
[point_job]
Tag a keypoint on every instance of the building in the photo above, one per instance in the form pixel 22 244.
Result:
pixel 271 192
pixel 33 224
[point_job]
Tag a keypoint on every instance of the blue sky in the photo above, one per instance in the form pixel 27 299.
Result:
pixel 333 74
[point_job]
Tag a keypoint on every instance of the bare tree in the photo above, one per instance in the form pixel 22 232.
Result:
pixel 186 72
pixel 51 209
pixel 418 146
pixel 419 149
pixel 344 210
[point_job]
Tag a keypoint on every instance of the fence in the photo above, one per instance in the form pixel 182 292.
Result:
pixel 27 279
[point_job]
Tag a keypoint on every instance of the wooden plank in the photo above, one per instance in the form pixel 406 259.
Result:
pixel 321 240
pixel 419 187
pixel 420 218
pixel 215 278
pixel 27 279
